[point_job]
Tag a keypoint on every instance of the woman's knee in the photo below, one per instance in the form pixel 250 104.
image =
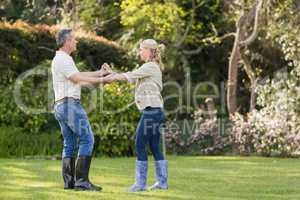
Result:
pixel 157 154
pixel 141 154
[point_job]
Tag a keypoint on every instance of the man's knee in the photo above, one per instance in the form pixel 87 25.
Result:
pixel 91 139
pixel 69 150
pixel 87 139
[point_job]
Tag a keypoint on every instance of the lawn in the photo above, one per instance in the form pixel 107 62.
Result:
pixel 207 178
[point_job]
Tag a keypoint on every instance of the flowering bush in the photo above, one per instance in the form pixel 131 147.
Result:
pixel 275 128
pixel 199 136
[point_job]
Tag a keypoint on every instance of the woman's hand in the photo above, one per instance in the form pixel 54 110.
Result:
pixel 106 69
pixel 109 78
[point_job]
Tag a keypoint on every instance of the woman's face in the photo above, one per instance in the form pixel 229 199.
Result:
pixel 145 53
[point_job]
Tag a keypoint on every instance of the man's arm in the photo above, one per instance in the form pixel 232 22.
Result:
pixel 99 73
pixel 113 76
pixel 83 79
pixel 93 74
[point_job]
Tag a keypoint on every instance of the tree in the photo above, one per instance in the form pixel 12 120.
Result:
pixel 190 29
pixel 101 16
pixel 31 11
pixel 243 39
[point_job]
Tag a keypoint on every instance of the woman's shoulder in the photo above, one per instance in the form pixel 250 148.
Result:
pixel 151 64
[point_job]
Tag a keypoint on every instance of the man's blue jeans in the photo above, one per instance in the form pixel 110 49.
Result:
pixel 75 128
pixel 148 132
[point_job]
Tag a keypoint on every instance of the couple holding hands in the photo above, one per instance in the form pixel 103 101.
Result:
pixel 76 128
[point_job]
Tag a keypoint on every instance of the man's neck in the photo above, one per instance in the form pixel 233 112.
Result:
pixel 67 51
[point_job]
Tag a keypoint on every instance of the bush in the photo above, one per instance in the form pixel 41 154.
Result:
pixel 198 136
pixel 275 128
pixel 113 130
pixel 114 120
pixel 20 53
pixel 24 46
pixel 15 142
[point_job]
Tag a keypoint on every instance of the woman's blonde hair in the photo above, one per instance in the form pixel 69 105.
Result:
pixel 156 51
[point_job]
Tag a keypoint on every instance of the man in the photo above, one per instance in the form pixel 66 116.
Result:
pixel 72 118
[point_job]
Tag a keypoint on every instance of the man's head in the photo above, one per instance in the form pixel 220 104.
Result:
pixel 66 40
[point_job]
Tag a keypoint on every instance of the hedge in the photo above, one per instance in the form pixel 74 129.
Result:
pixel 23 46
pixel 19 53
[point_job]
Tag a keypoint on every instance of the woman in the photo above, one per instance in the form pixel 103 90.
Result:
pixel 148 80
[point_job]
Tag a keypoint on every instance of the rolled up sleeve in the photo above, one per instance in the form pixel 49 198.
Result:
pixel 142 72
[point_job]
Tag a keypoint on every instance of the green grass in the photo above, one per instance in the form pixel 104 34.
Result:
pixel 207 178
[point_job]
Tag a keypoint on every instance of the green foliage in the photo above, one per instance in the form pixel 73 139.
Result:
pixel 189 30
pixel 152 19
pixel 275 127
pixel 15 45
pixel 112 120
pixel 101 17
pixel 12 9
pixel 15 142
pixel 26 97
pixel 95 53
pixel 37 11
pixel 19 38
pixel 23 97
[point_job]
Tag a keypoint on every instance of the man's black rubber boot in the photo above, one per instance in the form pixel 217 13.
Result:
pixel 68 172
pixel 82 175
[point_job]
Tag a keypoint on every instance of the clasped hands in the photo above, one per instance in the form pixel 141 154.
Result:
pixel 108 74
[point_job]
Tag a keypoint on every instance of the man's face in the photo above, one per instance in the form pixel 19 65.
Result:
pixel 71 43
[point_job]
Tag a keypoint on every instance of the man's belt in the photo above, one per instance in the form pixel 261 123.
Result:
pixel 65 99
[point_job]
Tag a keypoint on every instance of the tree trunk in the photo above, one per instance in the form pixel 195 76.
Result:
pixel 253 80
pixel 241 40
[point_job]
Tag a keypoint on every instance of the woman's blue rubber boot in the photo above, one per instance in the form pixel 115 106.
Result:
pixel 161 167
pixel 141 171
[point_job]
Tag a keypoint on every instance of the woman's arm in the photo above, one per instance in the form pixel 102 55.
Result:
pixel 114 77
pixel 144 71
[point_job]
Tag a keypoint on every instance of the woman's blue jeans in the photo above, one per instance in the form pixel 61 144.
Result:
pixel 148 132
pixel 75 128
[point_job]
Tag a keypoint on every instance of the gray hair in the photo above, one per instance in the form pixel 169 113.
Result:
pixel 62 36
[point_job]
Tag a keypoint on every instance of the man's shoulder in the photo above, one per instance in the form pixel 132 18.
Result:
pixel 62 56
pixel 62 59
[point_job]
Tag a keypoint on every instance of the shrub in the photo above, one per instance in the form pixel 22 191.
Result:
pixel 24 46
pixel 275 128
pixel 113 130
pixel 20 53
pixel 198 136
pixel 15 142
pixel 115 119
